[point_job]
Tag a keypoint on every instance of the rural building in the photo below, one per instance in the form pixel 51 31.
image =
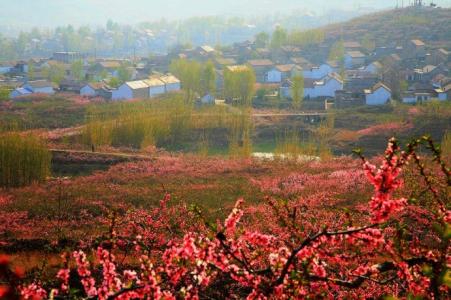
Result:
pixel 131 90
pixel 415 49
pixel 261 68
pixel 325 87
pixel 40 86
pixel 172 83
pixel 318 72
pixel 34 87
pixel 155 87
pixel 92 89
pixel 6 67
pixel 68 57
pixel 354 59
pixel 374 68
pixel 347 99
pixel 380 94
pixel 18 92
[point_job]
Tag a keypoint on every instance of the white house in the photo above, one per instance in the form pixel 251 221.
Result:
pixel 19 92
pixel 39 86
pixel 131 90
pixel 91 89
pixel 172 83
pixel 6 67
pixel 326 87
pixel 374 67
pixel 273 76
pixel 354 59
pixel 318 72
pixel 380 94
pixel 156 87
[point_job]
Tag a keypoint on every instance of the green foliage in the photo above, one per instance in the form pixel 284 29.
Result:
pixel 160 122
pixel 114 82
pixel 23 160
pixel 55 73
pixel 446 145
pixel 279 38
pixel 77 70
pixel 306 38
pixel 337 52
pixel 262 40
pixel 368 42
pixel 190 74
pixel 208 79
pixel 239 85
pixel 297 91
pixel 4 93
pixel 123 73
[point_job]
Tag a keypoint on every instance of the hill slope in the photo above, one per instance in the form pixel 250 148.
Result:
pixel 396 26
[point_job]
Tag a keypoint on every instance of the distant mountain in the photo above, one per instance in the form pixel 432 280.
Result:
pixel 397 25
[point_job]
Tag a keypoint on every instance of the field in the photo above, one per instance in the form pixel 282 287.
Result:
pixel 154 181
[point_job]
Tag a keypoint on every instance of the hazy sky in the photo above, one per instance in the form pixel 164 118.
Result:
pixel 49 13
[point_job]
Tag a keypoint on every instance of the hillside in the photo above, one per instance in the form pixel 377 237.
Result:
pixel 395 26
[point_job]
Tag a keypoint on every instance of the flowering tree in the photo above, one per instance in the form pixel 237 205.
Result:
pixel 395 246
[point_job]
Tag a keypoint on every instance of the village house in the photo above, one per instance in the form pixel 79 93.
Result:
pixel 34 87
pixel 317 72
pixel 70 85
pixel 326 87
pixel 415 49
pixel 68 57
pixel 347 99
pixel 205 52
pixel 109 67
pixel 261 68
pixel 379 94
pixel 354 59
pixel 352 46
pixel 172 83
pixel 375 67
pixel 6 67
pixel 281 72
pixel 131 90
pixel 358 80
pixel 155 87
pixel 222 62
pixel 92 89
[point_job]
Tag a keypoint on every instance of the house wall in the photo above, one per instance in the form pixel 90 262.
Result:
pixel 318 73
pixel 351 62
pixel 4 70
pixel 172 87
pixel 372 69
pixel 157 90
pixel 409 99
pixel 274 76
pixel 326 90
pixel 122 93
pixel 88 91
pixel 378 97
pixel 43 90
pixel 442 96
pixel 140 93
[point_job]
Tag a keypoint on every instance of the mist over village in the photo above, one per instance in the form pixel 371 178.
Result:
pixel 225 150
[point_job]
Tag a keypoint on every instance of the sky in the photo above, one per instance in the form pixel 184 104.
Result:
pixel 51 13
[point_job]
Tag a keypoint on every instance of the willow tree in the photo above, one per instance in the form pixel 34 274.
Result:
pixel 208 78
pixel 239 85
pixel 297 91
pixel 189 73
pixel 23 160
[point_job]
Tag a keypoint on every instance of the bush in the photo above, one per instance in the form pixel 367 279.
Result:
pixel 23 160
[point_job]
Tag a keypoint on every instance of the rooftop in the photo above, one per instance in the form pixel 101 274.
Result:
pixel 356 54
pixel 418 42
pixel 260 62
